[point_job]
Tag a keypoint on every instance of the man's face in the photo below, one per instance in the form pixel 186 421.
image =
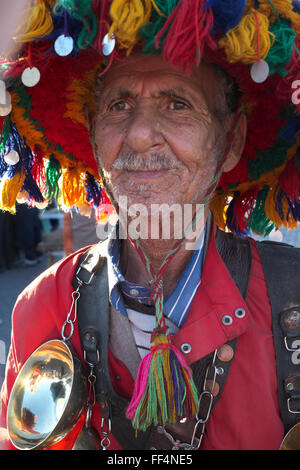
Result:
pixel 156 135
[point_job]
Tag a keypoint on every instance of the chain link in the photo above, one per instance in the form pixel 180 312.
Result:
pixel 203 407
pixel 75 296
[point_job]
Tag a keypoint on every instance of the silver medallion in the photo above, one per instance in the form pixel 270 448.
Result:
pixel 5 104
pixel 12 157
pixel 108 44
pixel 31 76
pixel 63 45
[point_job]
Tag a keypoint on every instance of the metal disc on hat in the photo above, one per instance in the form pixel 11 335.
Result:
pixel 108 44
pixel 12 157
pixel 2 92
pixel 260 71
pixel 63 45
pixel 5 107
pixel 31 76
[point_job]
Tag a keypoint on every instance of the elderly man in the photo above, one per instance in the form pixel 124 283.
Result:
pixel 177 342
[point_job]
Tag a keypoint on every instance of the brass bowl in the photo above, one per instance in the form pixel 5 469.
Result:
pixel 48 397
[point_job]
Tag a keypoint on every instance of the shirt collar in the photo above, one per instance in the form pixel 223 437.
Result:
pixel 176 306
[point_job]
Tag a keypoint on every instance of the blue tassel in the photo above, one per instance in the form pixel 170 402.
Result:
pixel 93 190
pixel 3 166
pixel 295 208
pixel 278 203
pixel 74 29
pixel 32 188
pixel 15 142
pixel 296 6
pixel 290 129
pixel 227 13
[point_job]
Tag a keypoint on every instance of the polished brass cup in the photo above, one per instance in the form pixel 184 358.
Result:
pixel 48 397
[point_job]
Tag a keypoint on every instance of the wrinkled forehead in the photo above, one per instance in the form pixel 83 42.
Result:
pixel 133 70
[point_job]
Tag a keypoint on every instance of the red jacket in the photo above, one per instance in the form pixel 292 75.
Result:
pixel 246 416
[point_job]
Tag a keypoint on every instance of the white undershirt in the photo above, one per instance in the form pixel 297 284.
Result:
pixel 142 325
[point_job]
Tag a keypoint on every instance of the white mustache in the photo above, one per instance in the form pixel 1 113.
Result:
pixel 130 161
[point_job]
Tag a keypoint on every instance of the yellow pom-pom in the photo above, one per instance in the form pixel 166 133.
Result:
pixel 128 16
pixel 9 190
pixel 72 187
pixel 37 22
pixel 250 40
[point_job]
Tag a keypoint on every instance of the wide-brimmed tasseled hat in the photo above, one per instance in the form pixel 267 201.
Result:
pixel 63 46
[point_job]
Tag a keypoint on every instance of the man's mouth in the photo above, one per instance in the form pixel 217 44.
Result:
pixel 144 175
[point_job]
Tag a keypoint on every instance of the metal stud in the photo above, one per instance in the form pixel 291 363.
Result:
pixel 240 312
pixel 225 353
pixel 186 348
pixel 227 320
pixel 134 292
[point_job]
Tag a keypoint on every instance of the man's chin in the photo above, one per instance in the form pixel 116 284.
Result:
pixel 148 201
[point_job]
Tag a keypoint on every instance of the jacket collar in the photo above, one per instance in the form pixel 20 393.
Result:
pixel 215 314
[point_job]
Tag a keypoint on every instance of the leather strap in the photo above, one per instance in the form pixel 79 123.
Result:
pixel 282 273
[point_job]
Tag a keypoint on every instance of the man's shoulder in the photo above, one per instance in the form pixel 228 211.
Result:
pixel 55 278
pixel 278 252
pixel 268 246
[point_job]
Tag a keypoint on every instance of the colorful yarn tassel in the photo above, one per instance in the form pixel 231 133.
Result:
pixel 81 11
pixel 190 31
pixel 250 40
pixel 164 390
pixel 37 22
pixel 128 16
pixel 9 189
pixel 227 13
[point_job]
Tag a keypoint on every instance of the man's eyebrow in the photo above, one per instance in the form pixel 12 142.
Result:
pixel 173 92
pixel 118 93
pixel 180 92
pixel 121 92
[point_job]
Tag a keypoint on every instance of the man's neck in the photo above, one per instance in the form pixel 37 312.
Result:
pixel 156 251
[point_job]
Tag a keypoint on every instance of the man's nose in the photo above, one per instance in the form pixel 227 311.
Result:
pixel 144 131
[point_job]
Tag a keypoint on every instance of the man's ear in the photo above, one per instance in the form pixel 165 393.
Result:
pixel 238 144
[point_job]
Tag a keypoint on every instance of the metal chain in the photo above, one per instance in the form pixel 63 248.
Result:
pixel 105 442
pixel 75 296
pixel 204 407
pixel 207 394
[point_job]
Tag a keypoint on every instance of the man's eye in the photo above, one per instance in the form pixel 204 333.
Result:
pixel 119 106
pixel 177 105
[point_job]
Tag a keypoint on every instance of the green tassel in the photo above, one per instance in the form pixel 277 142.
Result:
pixel 281 52
pixel 259 223
pixel 150 29
pixel 5 133
pixel 53 173
pixel 269 159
